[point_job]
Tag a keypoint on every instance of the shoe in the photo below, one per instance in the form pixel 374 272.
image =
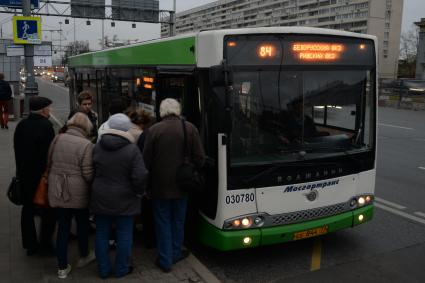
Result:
pixel 184 254
pixel 164 269
pixel 2 126
pixel 63 273
pixel 6 127
pixel 83 261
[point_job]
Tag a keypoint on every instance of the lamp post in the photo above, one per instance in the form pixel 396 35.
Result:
pixel 60 42
pixel 173 19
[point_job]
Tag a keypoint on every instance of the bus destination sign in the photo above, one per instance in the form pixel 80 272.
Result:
pixel 287 50
pixel 317 51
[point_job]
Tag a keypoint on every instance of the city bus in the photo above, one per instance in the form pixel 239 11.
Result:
pixel 287 116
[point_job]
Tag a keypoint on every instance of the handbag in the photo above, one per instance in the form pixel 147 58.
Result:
pixel 189 178
pixel 41 197
pixel 14 192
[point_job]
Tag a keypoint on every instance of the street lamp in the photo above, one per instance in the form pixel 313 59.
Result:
pixel 60 41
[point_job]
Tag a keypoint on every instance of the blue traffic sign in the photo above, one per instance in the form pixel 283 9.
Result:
pixel 26 30
pixel 18 3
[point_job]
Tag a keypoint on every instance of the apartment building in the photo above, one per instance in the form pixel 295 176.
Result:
pixel 378 17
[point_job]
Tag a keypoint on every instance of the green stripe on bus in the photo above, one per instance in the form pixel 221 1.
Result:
pixel 173 52
pixel 233 240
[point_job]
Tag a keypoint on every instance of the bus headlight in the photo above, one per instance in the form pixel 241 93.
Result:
pixel 247 241
pixel 244 222
pixel 361 200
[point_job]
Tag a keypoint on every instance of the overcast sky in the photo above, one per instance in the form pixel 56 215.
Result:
pixel 412 12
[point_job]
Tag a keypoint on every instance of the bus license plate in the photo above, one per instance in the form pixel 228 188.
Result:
pixel 311 233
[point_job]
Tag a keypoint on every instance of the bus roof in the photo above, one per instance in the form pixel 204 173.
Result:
pixel 180 50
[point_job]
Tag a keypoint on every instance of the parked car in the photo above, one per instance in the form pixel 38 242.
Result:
pixel 410 86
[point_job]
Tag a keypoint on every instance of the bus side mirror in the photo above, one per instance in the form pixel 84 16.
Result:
pixel 217 76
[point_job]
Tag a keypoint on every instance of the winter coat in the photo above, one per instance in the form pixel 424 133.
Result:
pixel 31 141
pixel 71 170
pixel 163 153
pixel 120 175
pixel 5 91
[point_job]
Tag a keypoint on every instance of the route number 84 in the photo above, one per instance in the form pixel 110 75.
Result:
pixel 240 198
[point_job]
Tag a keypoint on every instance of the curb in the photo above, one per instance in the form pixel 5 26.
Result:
pixel 202 270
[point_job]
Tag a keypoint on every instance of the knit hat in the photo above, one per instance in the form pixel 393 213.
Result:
pixel 119 122
pixel 39 102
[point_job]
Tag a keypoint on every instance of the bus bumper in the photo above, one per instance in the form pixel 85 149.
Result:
pixel 234 240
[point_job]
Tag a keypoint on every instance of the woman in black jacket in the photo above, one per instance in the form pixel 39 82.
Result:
pixel 118 185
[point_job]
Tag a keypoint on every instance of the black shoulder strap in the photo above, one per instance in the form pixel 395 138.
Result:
pixel 185 145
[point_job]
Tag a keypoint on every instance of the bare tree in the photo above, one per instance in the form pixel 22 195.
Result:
pixel 408 51
pixel 75 48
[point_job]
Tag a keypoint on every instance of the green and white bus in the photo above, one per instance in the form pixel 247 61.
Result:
pixel 287 114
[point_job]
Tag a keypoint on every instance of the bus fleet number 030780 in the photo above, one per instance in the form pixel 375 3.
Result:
pixel 240 198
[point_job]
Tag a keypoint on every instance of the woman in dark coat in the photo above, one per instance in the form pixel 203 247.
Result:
pixel 119 182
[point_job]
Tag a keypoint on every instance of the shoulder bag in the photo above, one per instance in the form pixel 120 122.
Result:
pixel 14 192
pixel 41 198
pixel 189 178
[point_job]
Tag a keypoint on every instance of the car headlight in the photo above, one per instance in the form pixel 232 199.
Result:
pixel 244 222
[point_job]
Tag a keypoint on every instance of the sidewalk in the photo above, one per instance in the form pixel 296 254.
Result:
pixel 15 266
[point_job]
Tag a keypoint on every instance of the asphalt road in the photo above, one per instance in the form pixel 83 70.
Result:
pixel 58 93
pixel 390 248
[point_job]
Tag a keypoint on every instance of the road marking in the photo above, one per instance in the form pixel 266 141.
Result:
pixel 389 203
pixel 423 168
pixel 418 213
pixel 394 126
pixel 400 213
pixel 317 255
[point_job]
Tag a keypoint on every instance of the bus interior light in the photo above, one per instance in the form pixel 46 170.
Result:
pixel 148 79
pixel 362 46
pixel 231 44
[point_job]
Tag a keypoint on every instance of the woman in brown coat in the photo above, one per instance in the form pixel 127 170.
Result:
pixel 70 177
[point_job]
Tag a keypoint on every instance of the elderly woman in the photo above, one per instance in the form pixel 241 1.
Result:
pixel 117 188
pixel 69 179
pixel 163 153
pixel 139 120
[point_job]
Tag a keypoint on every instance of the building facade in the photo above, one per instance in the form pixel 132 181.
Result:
pixel 420 57
pixel 377 17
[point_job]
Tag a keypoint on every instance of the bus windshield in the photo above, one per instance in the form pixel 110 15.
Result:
pixel 290 115
pixel 300 97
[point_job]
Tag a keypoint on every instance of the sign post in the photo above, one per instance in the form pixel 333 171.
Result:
pixel 27 31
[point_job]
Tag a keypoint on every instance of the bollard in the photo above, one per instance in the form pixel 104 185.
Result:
pixel 18 103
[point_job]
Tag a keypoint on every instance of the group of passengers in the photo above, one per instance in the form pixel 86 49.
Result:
pixel 104 172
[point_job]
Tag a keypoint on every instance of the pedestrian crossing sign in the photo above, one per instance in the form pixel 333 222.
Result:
pixel 26 30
